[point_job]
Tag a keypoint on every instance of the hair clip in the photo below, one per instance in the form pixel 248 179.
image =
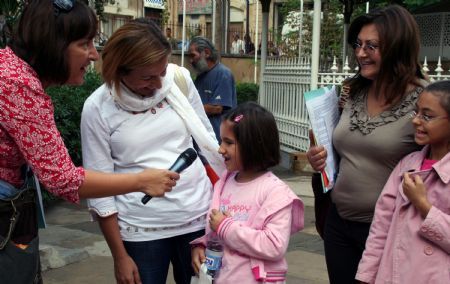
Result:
pixel 238 118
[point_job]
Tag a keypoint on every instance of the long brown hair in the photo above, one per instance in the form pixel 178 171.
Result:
pixel 399 48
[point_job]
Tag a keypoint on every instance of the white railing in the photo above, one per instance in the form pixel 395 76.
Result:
pixel 284 82
pixel 286 79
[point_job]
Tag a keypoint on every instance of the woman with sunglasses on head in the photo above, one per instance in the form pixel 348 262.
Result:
pixel 53 46
pixel 373 133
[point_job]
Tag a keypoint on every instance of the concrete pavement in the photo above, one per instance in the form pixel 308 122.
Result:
pixel 74 251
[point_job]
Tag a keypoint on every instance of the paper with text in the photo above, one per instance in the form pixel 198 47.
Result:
pixel 323 111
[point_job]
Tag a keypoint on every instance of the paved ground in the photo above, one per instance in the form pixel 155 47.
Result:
pixel 73 249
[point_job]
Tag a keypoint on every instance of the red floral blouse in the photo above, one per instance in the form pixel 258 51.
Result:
pixel 28 133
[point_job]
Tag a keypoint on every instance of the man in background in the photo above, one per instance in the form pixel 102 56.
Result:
pixel 173 42
pixel 214 82
pixel 237 46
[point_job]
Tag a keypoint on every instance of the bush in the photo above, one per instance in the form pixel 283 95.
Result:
pixel 68 103
pixel 247 92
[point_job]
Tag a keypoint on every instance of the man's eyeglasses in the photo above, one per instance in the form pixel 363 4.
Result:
pixel 368 47
pixel 426 118
pixel 63 6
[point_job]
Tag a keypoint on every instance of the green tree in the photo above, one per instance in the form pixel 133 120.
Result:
pixel 331 30
pixel 409 4
pixel 68 103
pixel 10 10
pixel 338 14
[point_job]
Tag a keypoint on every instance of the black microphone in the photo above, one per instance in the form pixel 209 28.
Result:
pixel 183 161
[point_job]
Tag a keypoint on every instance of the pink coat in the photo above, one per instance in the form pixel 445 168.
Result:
pixel 271 266
pixel 402 247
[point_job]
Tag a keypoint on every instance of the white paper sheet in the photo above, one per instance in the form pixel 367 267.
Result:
pixel 323 111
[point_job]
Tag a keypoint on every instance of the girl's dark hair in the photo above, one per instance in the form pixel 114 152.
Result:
pixel 44 33
pixel 257 136
pixel 399 49
pixel 442 90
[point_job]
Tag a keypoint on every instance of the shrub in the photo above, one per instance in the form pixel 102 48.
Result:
pixel 246 92
pixel 68 103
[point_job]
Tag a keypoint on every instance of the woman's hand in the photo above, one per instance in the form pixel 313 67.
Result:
pixel 126 271
pixel 198 257
pixel 416 192
pixel 155 182
pixel 317 155
pixel 215 218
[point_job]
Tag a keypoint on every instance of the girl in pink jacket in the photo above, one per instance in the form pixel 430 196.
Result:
pixel 409 240
pixel 252 211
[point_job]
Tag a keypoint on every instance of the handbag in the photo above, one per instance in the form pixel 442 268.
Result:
pixel 19 241
pixel 180 81
pixel 322 203
pixel 212 175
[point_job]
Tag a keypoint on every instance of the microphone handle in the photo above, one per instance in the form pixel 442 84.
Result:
pixel 182 162
pixel 146 198
pixel 178 166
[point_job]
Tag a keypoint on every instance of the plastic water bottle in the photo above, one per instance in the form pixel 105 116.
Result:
pixel 214 254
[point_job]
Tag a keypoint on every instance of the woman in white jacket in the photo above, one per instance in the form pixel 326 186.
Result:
pixel 141 119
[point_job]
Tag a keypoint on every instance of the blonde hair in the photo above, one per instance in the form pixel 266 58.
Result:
pixel 137 43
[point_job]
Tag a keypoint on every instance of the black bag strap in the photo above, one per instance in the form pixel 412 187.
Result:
pixel 12 224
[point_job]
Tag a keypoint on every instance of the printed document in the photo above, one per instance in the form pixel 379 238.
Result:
pixel 323 111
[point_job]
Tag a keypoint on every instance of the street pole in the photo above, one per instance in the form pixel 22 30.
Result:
pixel 183 40
pixel 315 45
pixel 256 41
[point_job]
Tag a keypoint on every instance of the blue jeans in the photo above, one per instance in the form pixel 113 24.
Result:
pixel 153 258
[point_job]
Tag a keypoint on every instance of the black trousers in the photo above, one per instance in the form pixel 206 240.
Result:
pixel 344 243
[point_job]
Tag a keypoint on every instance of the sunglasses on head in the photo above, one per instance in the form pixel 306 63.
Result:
pixel 63 6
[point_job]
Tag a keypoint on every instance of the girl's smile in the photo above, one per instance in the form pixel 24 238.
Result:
pixel 229 148
pixel 432 124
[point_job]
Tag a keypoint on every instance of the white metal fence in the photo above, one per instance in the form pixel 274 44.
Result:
pixel 284 82
pixel 286 79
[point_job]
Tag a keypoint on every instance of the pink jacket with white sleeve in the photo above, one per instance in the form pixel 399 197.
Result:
pixel 260 242
pixel 403 247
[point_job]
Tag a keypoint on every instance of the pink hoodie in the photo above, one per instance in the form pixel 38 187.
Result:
pixel 264 251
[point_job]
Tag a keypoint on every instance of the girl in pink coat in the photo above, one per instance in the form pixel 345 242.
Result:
pixel 252 212
pixel 409 240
